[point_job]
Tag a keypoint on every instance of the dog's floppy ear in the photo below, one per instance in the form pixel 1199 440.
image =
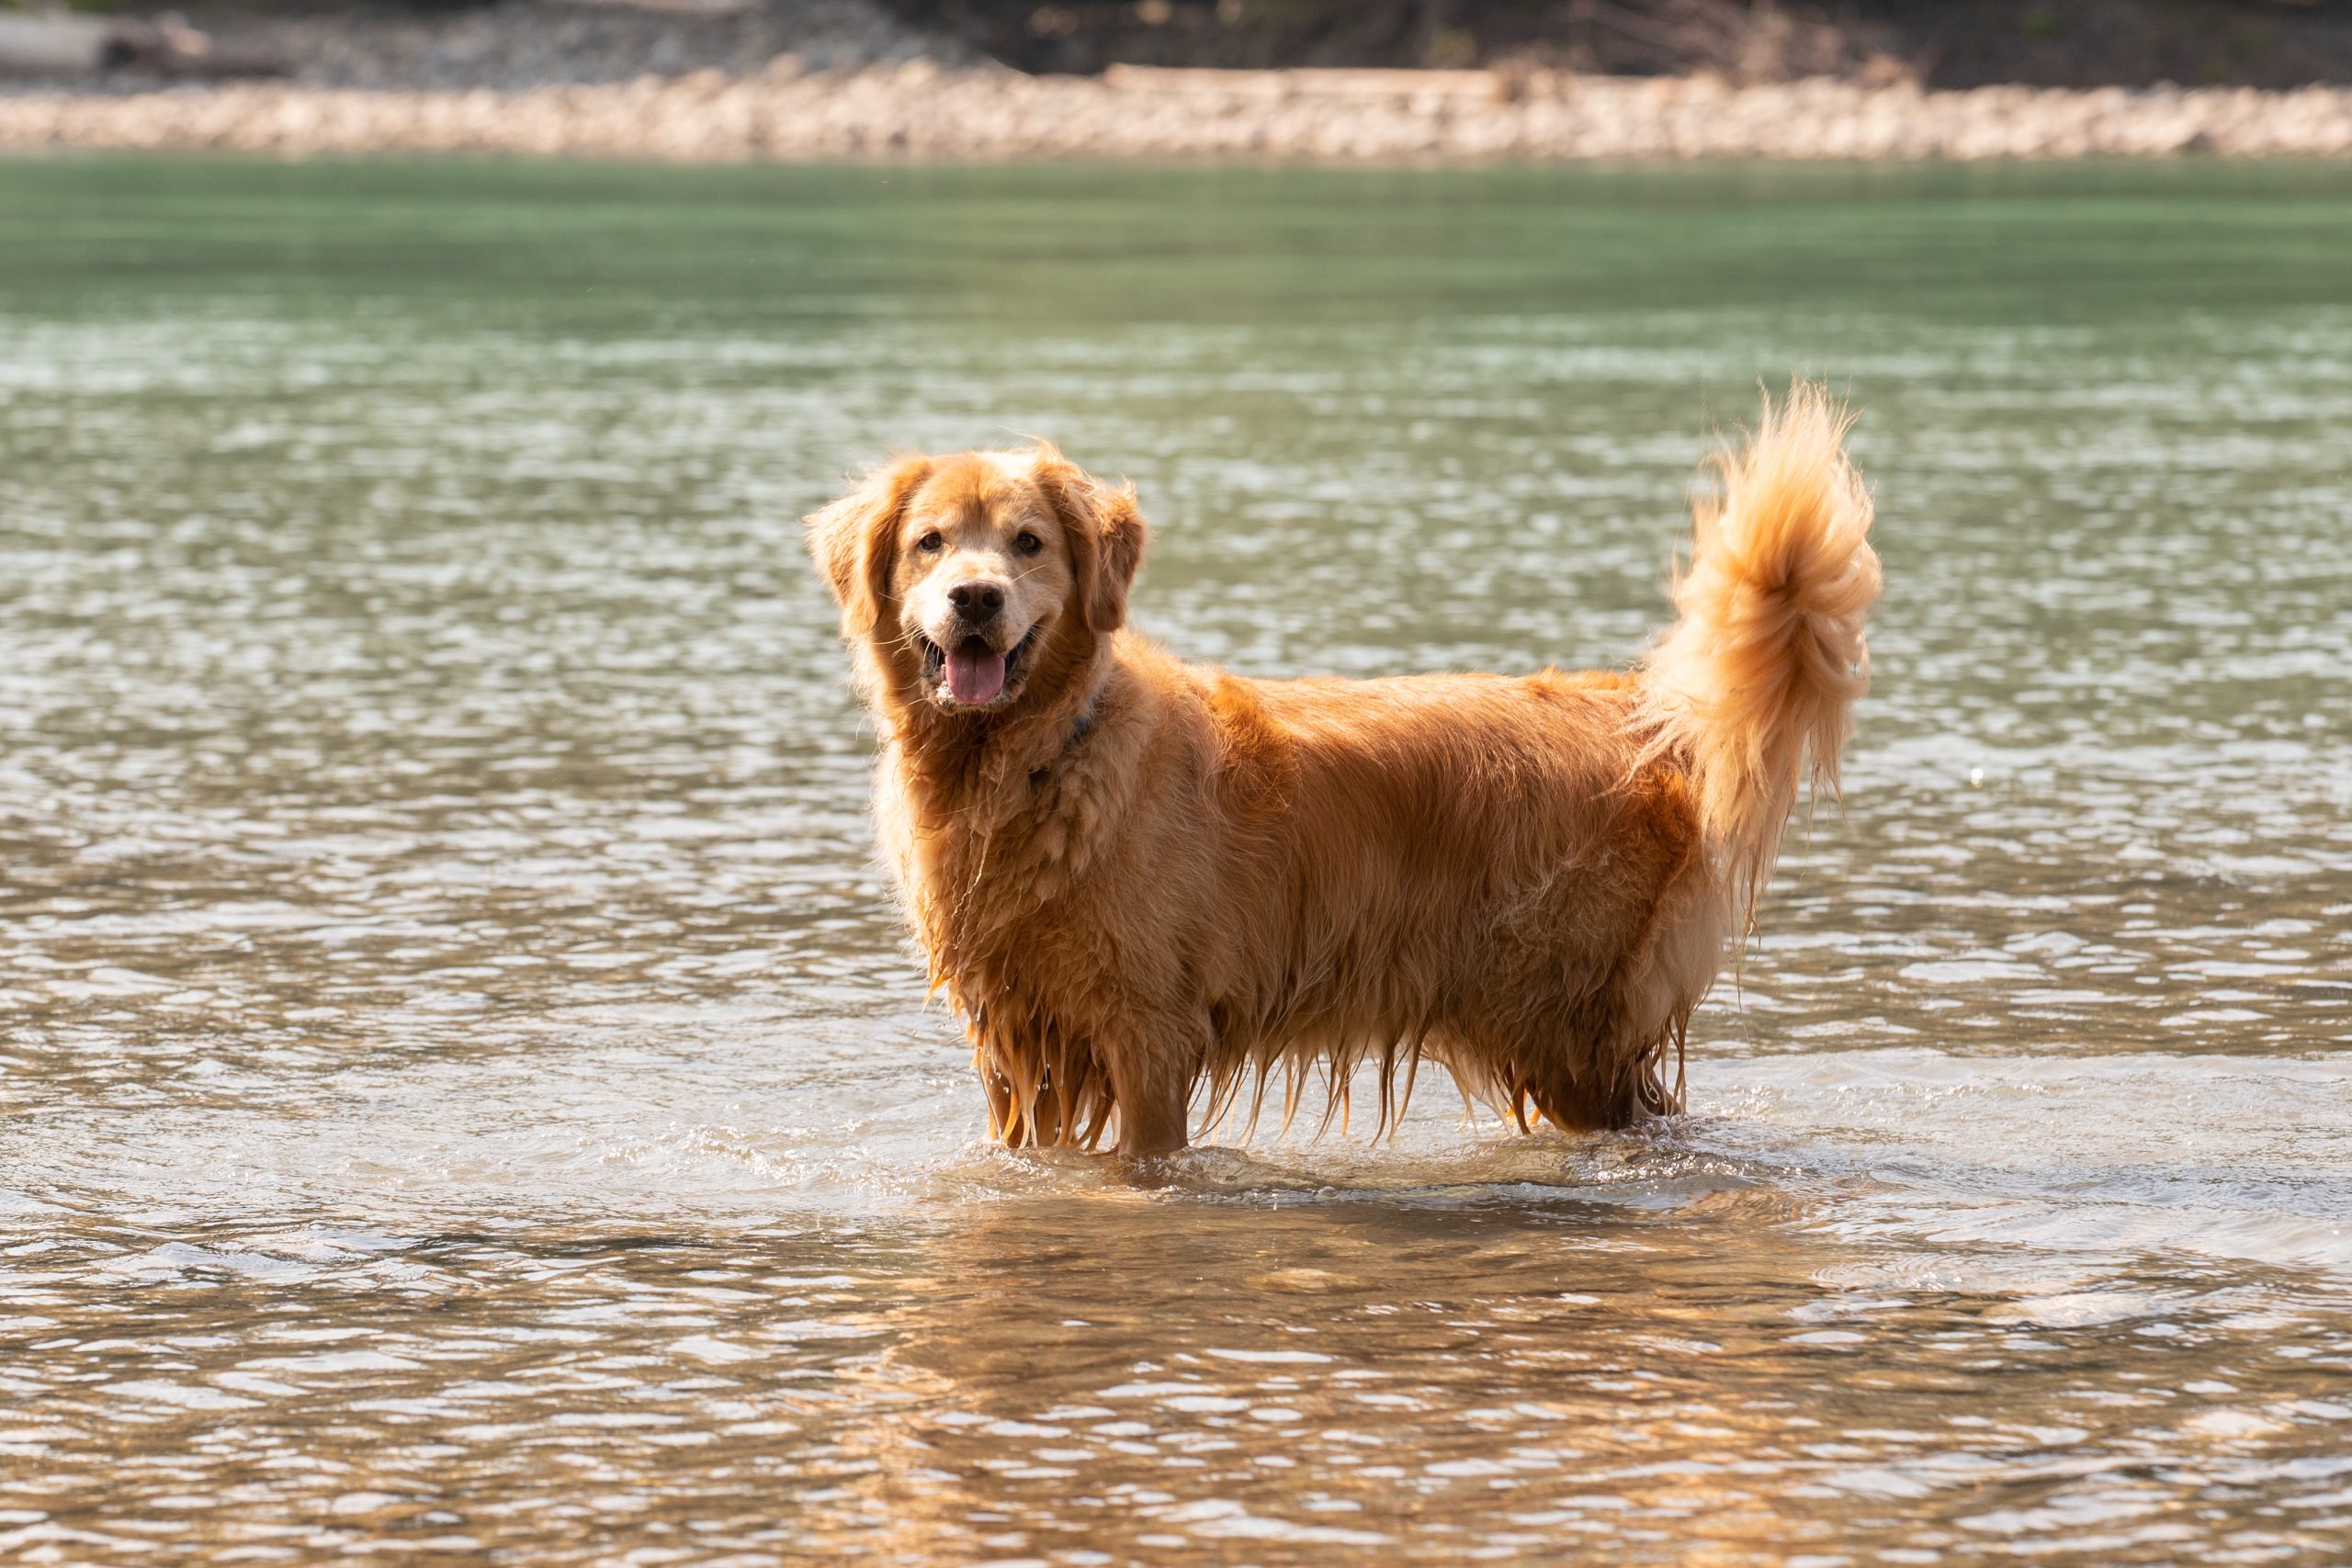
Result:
pixel 855 541
pixel 1106 536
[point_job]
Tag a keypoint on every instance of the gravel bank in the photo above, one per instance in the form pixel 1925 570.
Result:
pixel 918 109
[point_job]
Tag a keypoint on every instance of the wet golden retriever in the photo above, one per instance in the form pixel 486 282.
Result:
pixel 1139 879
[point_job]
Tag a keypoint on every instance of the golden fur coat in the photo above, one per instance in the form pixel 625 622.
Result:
pixel 1144 883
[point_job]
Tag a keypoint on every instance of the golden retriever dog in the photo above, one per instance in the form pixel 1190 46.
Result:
pixel 1143 881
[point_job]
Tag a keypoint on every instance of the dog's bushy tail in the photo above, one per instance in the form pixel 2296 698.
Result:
pixel 1755 686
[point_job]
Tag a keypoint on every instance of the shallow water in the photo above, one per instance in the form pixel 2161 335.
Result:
pixel 464 1092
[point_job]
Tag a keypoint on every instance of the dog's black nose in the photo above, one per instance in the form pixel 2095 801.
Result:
pixel 977 601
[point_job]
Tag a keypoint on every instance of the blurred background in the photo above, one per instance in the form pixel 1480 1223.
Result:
pixel 464 1088
pixel 516 43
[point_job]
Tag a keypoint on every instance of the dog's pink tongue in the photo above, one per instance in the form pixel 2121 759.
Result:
pixel 975 671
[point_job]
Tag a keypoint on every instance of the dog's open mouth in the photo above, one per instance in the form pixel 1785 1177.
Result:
pixel 972 674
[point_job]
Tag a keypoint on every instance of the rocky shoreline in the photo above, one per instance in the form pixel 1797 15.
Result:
pixel 919 109
pixel 796 80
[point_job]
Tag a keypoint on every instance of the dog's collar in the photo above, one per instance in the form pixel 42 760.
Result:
pixel 1079 730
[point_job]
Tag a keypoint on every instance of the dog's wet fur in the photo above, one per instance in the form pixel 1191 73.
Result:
pixel 1145 884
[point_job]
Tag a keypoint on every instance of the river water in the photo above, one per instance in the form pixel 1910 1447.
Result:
pixel 463 1090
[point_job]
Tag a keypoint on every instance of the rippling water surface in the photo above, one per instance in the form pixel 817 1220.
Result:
pixel 463 1090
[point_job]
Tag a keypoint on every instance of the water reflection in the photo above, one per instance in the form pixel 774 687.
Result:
pixel 1429 1372
pixel 1434 1378
pixel 466 1092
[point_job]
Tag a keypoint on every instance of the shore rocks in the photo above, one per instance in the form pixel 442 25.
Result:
pixel 916 108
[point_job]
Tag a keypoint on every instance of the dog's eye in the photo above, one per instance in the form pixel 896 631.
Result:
pixel 928 544
pixel 1028 544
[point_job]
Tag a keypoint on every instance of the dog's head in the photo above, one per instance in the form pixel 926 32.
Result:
pixel 960 573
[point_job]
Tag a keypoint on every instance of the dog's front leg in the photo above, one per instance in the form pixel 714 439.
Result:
pixel 1155 1098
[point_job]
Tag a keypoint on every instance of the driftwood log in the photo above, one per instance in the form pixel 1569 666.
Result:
pixel 81 46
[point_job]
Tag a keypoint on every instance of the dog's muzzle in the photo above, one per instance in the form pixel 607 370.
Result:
pixel 971 672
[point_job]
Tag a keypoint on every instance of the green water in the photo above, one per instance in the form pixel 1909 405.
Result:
pixel 463 1090
pixel 607 250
